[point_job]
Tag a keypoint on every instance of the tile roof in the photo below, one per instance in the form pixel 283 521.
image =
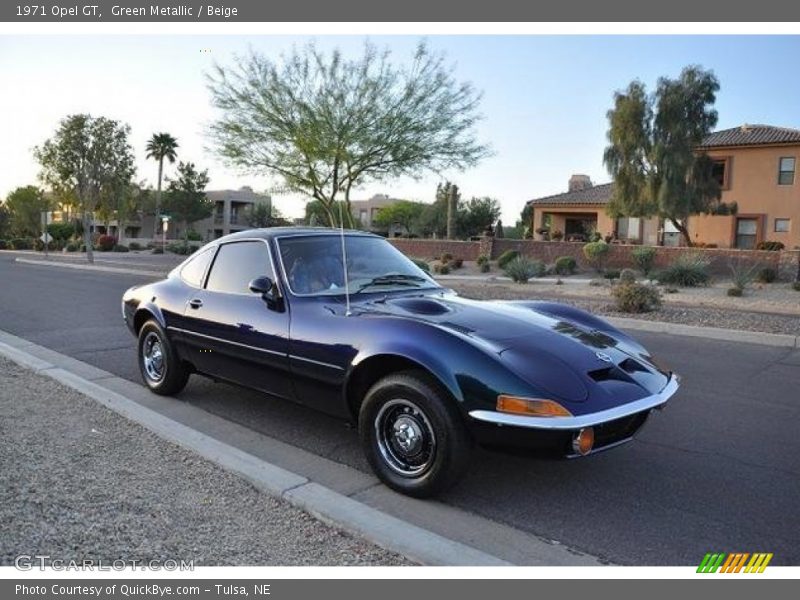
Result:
pixel 752 135
pixel 597 194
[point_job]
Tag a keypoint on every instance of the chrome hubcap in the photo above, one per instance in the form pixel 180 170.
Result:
pixel 153 357
pixel 405 438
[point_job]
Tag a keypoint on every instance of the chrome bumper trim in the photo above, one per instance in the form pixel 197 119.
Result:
pixel 580 421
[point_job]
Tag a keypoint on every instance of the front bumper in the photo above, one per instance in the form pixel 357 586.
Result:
pixel 615 425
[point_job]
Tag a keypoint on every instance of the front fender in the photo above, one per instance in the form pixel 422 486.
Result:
pixel 470 369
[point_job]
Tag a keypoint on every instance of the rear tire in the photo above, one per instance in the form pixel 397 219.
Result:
pixel 162 371
pixel 413 434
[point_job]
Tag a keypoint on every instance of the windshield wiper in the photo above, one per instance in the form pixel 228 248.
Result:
pixel 395 279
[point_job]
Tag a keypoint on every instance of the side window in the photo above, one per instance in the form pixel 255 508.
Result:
pixel 236 265
pixel 194 269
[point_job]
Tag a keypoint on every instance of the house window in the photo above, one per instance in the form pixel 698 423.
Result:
pixel 746 233
pixel 628 229
pixel 786 171
pixel 782 225
pixel 720 171
pixel 362 216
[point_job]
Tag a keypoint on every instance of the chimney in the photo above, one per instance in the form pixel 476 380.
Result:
pixel 579 182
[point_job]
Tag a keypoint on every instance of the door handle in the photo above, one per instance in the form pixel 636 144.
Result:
pixel 196 303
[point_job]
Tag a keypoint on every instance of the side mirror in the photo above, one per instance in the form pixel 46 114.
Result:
pixel 266 287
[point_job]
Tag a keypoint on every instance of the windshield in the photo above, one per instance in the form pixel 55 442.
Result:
pixel 313 265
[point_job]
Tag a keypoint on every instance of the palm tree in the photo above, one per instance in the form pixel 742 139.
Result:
pixel 159 147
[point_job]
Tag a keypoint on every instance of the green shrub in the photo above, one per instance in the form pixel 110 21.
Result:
pixel 688 270
pixel 38 245
pixel 158 250
pixel 180 248
pixel 441 268
pixel 3 245
pixel 611 274
pixel 636 297
pixel 506 257
pixel 742 273
pixel 767 275
pixel 446 257
pixel 596 253
pixel 771 246
pixel 193 236
pixel 735 291
pixel 644 257
pixel 135 246
pixel 627 276
pixel 106 243
pixel 485 267
pixel 61 231
pixel 482 260
pixel 21 244
pixel 565 265
pixel 521 269
pixel 121 248
pixel 422 264
pixel 72 246
pixel 796 286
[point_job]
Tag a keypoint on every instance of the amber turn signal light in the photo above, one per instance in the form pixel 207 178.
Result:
pixel 531 407
pixel 583 441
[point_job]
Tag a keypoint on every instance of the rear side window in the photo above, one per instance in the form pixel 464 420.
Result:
pixel 236 265
pixel 194 269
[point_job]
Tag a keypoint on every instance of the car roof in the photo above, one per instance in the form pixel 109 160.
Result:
pixel 275 232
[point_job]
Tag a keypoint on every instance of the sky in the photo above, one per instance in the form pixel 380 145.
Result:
pixel 544 98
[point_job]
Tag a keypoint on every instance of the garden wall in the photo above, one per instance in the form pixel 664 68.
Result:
pixel 786 262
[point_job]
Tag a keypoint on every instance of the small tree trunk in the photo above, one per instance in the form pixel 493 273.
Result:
pixel 684 231
pixel 87 236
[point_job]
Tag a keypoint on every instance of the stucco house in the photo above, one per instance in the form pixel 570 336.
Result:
pixel 756 168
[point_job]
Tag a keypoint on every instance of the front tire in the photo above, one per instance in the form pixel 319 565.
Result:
pixel 161 369
pixel 413 435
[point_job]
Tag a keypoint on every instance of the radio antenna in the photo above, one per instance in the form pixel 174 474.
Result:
pixel 347 312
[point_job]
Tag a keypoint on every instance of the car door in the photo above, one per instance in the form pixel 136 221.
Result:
pixel 231 332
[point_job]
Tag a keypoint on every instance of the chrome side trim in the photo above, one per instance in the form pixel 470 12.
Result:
pixel 224 341
pixel 316 362
pixel 577 422
pixel 256 348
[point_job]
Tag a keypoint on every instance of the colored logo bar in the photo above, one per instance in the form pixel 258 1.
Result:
pixel 735 562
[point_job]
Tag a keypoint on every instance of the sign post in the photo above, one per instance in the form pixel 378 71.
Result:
pixel 164 227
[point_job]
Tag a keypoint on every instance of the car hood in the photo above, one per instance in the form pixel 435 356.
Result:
pixel 562 357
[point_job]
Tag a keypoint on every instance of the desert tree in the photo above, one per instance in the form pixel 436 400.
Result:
pixel 404 213
pixel 324 124
pixel 654 153
pixel 86 157
pixel 186 199
pixel 24 207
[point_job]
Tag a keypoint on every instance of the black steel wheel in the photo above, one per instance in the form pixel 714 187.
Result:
pixel 413 435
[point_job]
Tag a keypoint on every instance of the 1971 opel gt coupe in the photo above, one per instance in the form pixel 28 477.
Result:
pixel 345 323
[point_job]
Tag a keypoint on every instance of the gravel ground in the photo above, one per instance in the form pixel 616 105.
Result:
pixel 78 481
pixel 706 316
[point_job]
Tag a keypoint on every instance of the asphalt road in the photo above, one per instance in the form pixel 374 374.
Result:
pixel 719 470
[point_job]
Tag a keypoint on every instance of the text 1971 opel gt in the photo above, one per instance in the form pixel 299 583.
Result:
pixel 423 372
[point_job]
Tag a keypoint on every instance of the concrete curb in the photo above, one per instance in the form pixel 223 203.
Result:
pixel 87 267
pixel 380 528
